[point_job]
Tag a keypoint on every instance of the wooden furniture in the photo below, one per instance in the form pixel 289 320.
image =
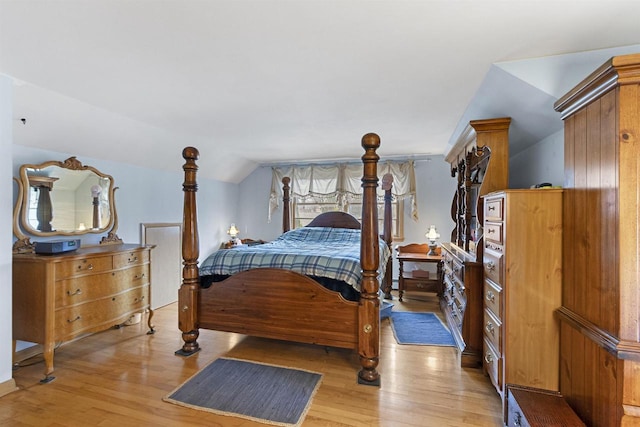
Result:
pixel 530 407
pixel 461 302
pixel 522 287
pixel 418 280
pixel 72 199
pixel 282 304
pixel 59 297
pixel 230 243
pixel 600 313
pixel 480 161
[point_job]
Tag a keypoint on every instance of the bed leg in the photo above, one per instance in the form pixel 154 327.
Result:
pixel 368 375
pixel 191 345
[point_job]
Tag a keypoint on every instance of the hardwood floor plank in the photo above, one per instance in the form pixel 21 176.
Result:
pixel 119 377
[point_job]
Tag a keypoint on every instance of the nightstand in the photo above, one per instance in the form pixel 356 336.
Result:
pixel 418 280
pixel 249 242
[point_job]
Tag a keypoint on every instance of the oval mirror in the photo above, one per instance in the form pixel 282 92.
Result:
pixel 66 198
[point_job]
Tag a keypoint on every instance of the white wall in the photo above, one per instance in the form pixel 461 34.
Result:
pixel 6 117
pixel 542 162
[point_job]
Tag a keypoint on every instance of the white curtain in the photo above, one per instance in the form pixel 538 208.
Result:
pixel 341 182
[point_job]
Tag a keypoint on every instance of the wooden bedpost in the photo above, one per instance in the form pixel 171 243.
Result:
pixel 369 306
pixel 387 234
pixel 286 215
pixel 188 293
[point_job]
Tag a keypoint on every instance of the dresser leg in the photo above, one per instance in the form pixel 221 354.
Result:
pixel 48 363
pixel 151 331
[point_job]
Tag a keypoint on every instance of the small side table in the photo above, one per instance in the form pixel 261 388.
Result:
pixel 412 281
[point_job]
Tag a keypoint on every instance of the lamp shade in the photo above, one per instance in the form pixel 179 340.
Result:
pixel 233 231
pixel 432 235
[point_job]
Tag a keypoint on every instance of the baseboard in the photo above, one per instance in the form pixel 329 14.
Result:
pixel 8 387
pixel 27 353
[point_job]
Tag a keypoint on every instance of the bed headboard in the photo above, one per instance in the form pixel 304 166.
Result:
pixel 335 219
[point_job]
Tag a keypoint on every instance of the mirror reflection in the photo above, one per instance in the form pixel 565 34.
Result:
pixel 66 198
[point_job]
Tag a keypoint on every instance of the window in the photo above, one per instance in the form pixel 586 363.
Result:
pixel 338 187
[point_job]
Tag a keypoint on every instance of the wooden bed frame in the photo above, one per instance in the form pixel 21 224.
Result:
pixel 297 307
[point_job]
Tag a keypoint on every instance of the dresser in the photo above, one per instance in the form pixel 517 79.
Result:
pixel 461 302
pixel 59 297
pixel 522 288
pixel 480 163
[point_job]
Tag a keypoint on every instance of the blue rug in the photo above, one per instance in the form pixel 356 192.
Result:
pixel 420 329
pixel 255 391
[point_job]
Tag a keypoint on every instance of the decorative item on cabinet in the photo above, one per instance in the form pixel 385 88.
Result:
pixel 522 288
pixel 480 162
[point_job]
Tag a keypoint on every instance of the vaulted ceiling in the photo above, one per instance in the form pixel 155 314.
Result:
pixel 260 82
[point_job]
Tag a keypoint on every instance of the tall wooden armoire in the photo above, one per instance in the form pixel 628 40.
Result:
pixel 600 313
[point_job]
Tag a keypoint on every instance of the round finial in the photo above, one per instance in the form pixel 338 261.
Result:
pixel 286 180
pixel 190 153
pixel 371 140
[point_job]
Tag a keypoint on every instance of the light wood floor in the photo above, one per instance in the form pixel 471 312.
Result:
pixel 119 377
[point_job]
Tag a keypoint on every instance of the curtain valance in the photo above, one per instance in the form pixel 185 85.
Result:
pixel 341 182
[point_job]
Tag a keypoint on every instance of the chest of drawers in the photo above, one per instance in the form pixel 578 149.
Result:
pixel 461 302
pixel 59 297
pixel 522 264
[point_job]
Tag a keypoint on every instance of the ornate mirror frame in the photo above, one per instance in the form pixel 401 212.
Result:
pixel 33 179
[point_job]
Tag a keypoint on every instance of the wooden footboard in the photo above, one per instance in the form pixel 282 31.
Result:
pixel 284 305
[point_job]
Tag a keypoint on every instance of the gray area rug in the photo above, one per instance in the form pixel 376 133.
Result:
pixel 420 328
pixel 256 391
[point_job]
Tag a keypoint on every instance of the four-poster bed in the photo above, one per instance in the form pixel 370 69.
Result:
pixel 284 304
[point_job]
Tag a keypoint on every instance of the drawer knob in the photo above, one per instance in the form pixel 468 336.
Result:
pixel 491 230
pixel 491 208
pixel 88 267
pixel 139 276
pixel 76 292
pixel 73 320
pixel 490 265
pixel 134 259
pixel 489 327
pixel 488 358
pixel 490 296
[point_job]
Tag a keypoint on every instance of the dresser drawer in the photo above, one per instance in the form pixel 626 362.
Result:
pixel 493 265
pixel 97 286
pixel 491 363
pixel 93 314
pixel 127 259
pixel 83 266
pixel 493 232
pixel 493 330
pixel 494 209
pixel 493 298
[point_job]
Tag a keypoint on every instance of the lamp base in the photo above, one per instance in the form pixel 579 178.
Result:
pixel 432 250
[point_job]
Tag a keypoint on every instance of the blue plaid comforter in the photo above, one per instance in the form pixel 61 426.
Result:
pixel 312 251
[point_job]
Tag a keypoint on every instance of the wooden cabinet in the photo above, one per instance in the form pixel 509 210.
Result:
pixel 418 280
pixel 461 302
pixel 529 407
pixel 522 288
pixel 59 297
pixel 480 162
pixel 600 313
